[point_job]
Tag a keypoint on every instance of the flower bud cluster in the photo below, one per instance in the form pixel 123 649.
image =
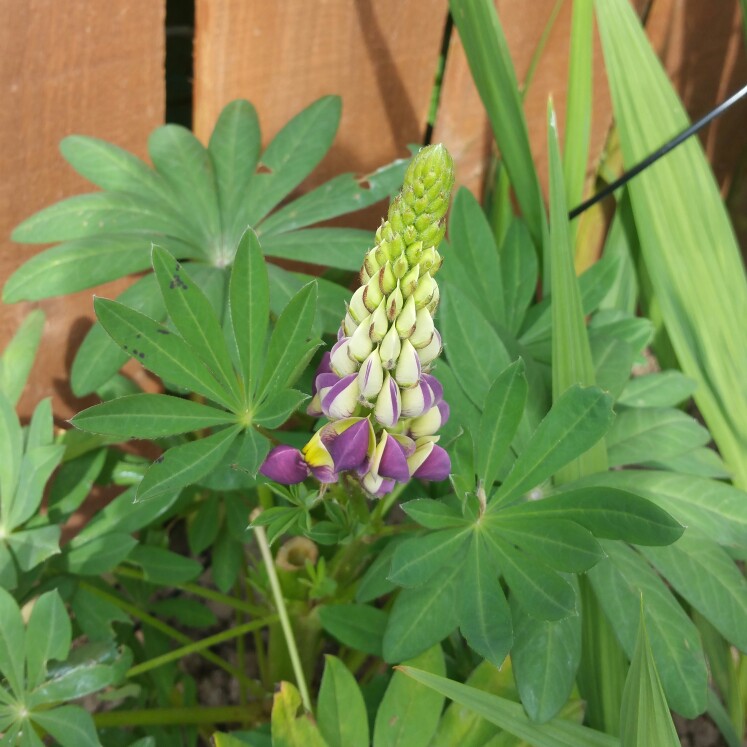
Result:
pixel 375 385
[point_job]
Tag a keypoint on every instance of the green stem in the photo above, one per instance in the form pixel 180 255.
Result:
pixel 175 716
pixel 199 591
pixel 277 594
pixel 172 633
pixel 199 646
pixel 386 503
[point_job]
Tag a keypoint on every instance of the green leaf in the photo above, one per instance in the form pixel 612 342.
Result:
pixel 409 713
pixel 358 626
pixel 291 156
pixel 613 362
pixel 644 713
pixel 484 615
pixel 635 330
pixel 183 465
pixel 41 428
pixel 249 304
pixel 619 581
pixel 149 416
pixel 159 349
pixel 605 512
pixel 374 583
pixel 19 355
pixel 95 615
pixel 545 658
pixel 188 612
pixel 341 712
pixel 161 566
pixel 652 433
pixel 700 294
pixel 544 593
pixel 519 272
pixel 343 194
pixel 99 357
pixel 510 716
pixel 418 559
pixel 37 466
pixel 564 545
pixel 719 511
pixel 703 462
pixel 11 454
pixel 622 244
pixel 33 546
pixel 433 514
pixel 707 578
pixel 503 409
pixel 571 353
pixel 662 389
pixel 577 420
pixel 421 617
pixel 12 637
pixel 342 248
pixel 289 728
pixel 252 448
pixel 184 163
pixel 475 255
pixel 48 636
pixel 101 213
pixel 92 557
pixel 493 72
pixel 86 263
pixel 278 407
pixel 234 150
pixel 289 345
pixel 228 556
pixel 194 318
pixel 474 350
pixel 203 527
pixel 69 725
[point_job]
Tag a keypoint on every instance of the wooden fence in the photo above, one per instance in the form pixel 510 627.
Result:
pixel 97 68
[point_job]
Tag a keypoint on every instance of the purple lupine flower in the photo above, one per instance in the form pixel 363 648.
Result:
pixel 285 465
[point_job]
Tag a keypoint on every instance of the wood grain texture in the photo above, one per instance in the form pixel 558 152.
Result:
pixel 93 68
pixel 379 55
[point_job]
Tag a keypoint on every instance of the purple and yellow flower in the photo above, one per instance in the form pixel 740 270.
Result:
pixel 375 385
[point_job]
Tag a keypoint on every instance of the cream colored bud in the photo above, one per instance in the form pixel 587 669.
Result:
pixel 394 304
pixel 423 332
pixel 371 376
pixel 390 348
pixel 387 280
pixel 379 323
pixel 349 325
pixel 360 343
pixel 431 351
pixel 340 361
pixel 407 371
pixel 433 304
pixel 425 290
pixel 400 266
pixel 372 295
pixel 410 281
pixel 357 308
pixel 370 264
pixel 407 319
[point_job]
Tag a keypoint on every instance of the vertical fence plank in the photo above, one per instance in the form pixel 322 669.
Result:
pixel 379 55
pixel 93 68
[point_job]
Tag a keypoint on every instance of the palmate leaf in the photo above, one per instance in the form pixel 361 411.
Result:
pixel 577 420
pixel 519 271
pixel 416 560
pixel 662 389
pixel 71 726
pixel 618 582
pixel 545 658
pixel 19 355
pixel 192 314
pixel 342 248
pixel 700 294
pixel 341 710
pixel 149 416
pixel 358 626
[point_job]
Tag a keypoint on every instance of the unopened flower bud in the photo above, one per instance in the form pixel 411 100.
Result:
pixel 371 376
pixel 372 294
pixel 423 332
pixel 387 279
pixel 340 361
pixel 394 304
pixel 430 422
pixel 342 399
pixel 379 323
pixel 407 371
pixel 417 400
pixel 360 343
pixel 407 319
pixel 433 235
pixel 425 290
pixel 410 281
pixel 357 308
pixel 433 303
pixel 349 325
pixel 427 258
pixel 414 252
pixel 429 462
pixel 388 403
pixel 432 350
pixel 400 266
pixel 390 348
pixel 370 264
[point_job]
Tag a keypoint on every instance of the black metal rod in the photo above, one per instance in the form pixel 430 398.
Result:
pixel 656 155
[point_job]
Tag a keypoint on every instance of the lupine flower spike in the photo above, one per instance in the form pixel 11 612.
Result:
pixel 375 388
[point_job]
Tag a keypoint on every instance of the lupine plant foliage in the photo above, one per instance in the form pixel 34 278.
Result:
pixel 429 464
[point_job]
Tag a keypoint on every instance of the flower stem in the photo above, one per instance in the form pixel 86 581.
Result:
pixel 199 646
pixel 277 594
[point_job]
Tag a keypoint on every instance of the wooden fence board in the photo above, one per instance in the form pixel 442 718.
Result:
pixel 93 68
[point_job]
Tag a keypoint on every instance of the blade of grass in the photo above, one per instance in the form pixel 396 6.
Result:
pixel 687 243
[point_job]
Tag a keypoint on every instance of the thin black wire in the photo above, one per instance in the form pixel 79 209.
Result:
pixel 441 72
pixel 656 155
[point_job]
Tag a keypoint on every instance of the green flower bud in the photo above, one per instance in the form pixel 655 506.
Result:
pixel 370 264
pixel 379 323
pixel 394 304
pixel 410 281
pixel 387 279
pixel 424 291
pixel 400 266
pixel 405 322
